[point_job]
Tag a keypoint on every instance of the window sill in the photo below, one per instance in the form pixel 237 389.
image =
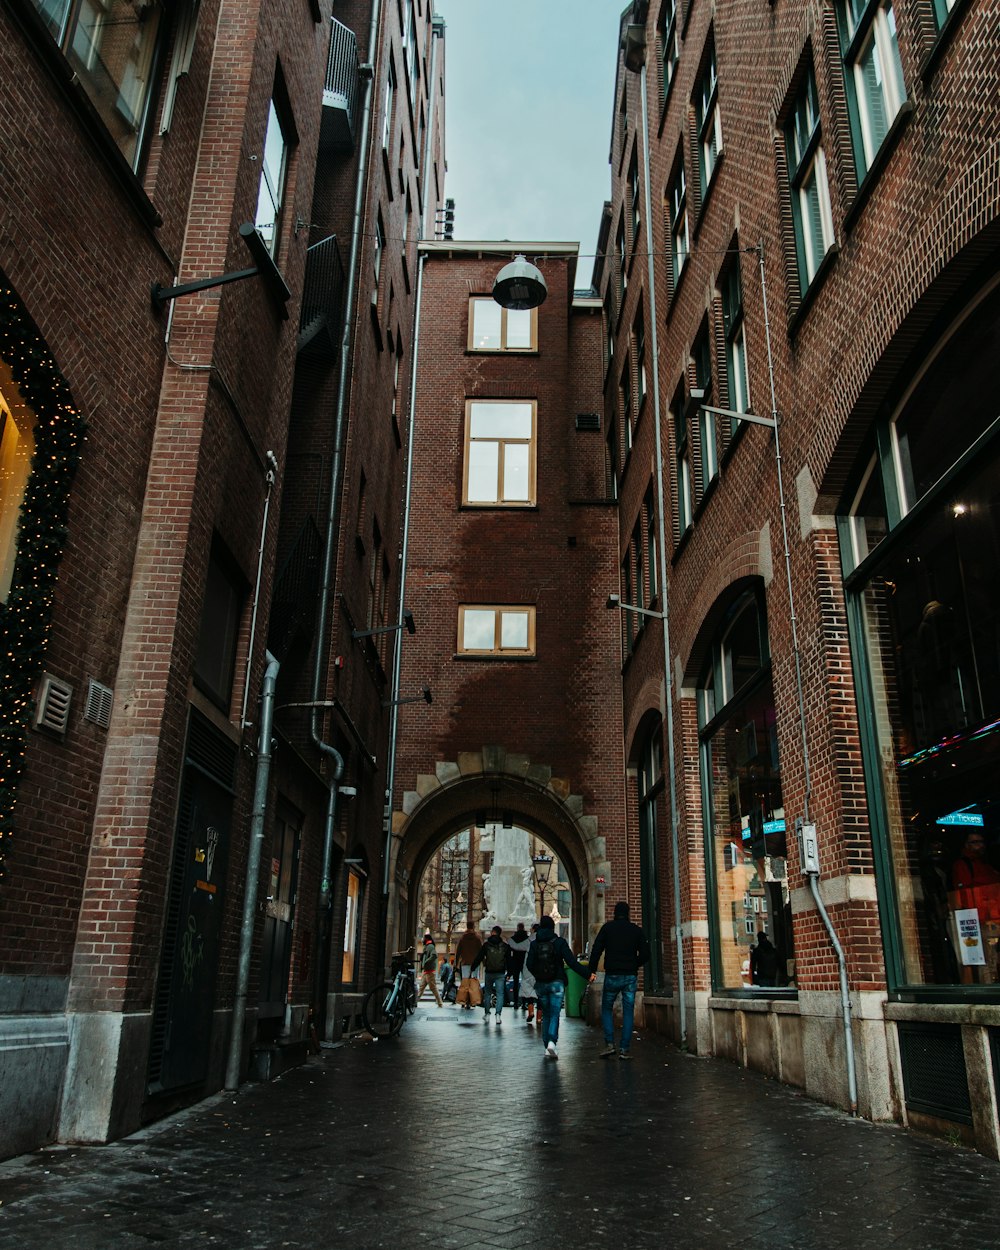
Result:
pixel 882 156
pixel 465 506
pixel 494 656
pixel 501 351
pixel 812 290
pixel 944 37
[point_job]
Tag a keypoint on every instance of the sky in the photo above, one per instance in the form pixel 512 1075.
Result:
pixel 529 92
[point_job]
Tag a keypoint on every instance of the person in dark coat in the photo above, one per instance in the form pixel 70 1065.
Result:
pixel 519 941
pixel 546 957
pixel 763 962
pixel 625 949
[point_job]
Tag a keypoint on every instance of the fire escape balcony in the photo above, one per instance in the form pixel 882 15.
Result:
pixel 340 91
pixel 322 298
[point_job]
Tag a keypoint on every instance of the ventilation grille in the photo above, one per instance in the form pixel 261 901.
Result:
pixel 934 1076
pixel 588 421
pixel 100 700
pixel 52 705
pixel 211 752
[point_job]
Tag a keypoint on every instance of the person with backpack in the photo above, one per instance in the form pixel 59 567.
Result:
pixel 496 961
pixel 519 942
pixel 546 957
pixel 428 970
pixel 625 949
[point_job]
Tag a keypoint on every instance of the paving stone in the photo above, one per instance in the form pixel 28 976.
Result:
pixel 462 1137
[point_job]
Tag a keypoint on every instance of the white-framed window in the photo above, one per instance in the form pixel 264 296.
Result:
pixel 639 344
pixel 379 249
pixel 390 108
pixel 273 171
pixel 500 452
pixel 709 122
pixel 111 45
pixel 706 420
pixel 622 257
pixel 496 329
pixel 669 46
pixel 736 351
pixel 634 196
pixel 652 545
pixel 873 73
pixel 683 461
pixel 677 210
pixel 812 215
pixel 352 926
pixel 493 629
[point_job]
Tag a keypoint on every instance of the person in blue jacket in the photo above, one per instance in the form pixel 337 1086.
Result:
pixel 545 960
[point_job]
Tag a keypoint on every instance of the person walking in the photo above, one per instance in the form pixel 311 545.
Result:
pixel 469 946
pixel 625 949
pixel 545 959
pixel 428 970
pixel 518 942
pixel 529 995
pixel 495 958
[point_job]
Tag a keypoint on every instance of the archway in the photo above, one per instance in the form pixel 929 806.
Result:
pixel 493 781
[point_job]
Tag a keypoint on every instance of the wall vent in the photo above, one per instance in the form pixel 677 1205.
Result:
pixel 588 421
pixel 52 705
pixel 100 700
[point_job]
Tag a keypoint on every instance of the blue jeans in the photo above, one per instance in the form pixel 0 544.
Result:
pixel 614 984
pixel 550 1001
pixel 494 984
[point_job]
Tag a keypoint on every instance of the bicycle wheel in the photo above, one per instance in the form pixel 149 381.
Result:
pixel 382 1017
pixel 411 995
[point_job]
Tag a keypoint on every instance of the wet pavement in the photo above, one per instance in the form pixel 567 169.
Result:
pixel 460 1134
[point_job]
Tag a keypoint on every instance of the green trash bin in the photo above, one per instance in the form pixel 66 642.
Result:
pixel 574 991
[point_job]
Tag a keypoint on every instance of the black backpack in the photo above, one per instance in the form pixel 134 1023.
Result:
pixel 548 962
pixel 495 959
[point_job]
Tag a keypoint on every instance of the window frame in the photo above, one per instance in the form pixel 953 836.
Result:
pixel 870 25
pixel 503 347
pixel 500 610
pixel 733 332
pixel 531 442
pixel 677 215
pixel 669 40
pixel 806 161
pixel 276 193
pixel 708 120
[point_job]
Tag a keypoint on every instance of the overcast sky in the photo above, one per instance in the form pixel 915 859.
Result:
pixel 529 107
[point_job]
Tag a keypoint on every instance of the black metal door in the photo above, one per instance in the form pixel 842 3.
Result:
pixel 276 949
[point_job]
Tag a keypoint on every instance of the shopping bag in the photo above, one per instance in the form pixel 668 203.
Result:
pixel 470 992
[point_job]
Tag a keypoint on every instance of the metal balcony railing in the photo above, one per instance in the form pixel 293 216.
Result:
pixel 322 297
pixel 340 90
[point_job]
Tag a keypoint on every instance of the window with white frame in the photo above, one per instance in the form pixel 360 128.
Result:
pixel 812 215
pixel 709 122
pixel 634 196
pixel 499 452
pixel 489 629
pixel 639 343
pixel 736 351
pixel 628 415
pixel 410 46
pixel 683 461
pixel 112 47
pixel 622 256
pixel 706 420
pixel 379 247
pixel 669 45
pixel 873 73
pixel 273 170
pixel 652 545
pixel 390 107
pixel 677 210
pixel 496 329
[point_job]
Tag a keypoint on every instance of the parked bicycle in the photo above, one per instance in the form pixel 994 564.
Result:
pixel 387 1005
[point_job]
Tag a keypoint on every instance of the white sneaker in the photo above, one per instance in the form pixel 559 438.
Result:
pixel 550 1051
pixel 498 1019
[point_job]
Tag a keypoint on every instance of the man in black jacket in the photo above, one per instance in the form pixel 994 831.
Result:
pixel 545 959
pixel 625 949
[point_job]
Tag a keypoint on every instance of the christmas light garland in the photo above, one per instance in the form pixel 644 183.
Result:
pixel 41 536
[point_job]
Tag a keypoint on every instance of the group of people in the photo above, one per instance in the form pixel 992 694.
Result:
pixel 537 963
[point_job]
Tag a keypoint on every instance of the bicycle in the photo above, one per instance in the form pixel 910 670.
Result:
pixel 387 1005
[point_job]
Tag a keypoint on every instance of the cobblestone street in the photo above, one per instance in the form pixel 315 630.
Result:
pixel 458 1134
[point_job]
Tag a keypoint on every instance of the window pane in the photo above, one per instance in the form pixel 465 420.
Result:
pixel 484 461
pixel 519 327
pixel 478 629
pixel 516 484
pixel 500 421
pixel 514 631
pixel 486 315
pixel 17 446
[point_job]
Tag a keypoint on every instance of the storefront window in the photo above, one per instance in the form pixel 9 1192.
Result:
pixel 746 837
pixel 926 616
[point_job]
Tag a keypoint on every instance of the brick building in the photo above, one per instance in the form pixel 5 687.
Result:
pixel 138 971
pixel 510 553
pixel 803 226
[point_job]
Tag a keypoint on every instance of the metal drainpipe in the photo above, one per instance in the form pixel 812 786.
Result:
pixel 845 997
pixel 253 872
pixel 661 538
pixel 404 555
pixel 329 545
pixel 269 477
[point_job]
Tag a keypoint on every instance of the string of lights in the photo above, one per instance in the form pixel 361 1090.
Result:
pixel 25 619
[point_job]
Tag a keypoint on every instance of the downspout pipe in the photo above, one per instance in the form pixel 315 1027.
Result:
pixel 668 677
pixel 339 427
pixel 845 997
pixel 252 885
pixel 403 559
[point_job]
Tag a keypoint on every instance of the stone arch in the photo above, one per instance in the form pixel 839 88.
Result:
pixel 447 800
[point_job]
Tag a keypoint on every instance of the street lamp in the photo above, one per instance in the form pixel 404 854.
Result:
pixel 542 865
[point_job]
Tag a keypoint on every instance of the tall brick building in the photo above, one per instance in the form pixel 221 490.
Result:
pixel 804 226
pixel 162 459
